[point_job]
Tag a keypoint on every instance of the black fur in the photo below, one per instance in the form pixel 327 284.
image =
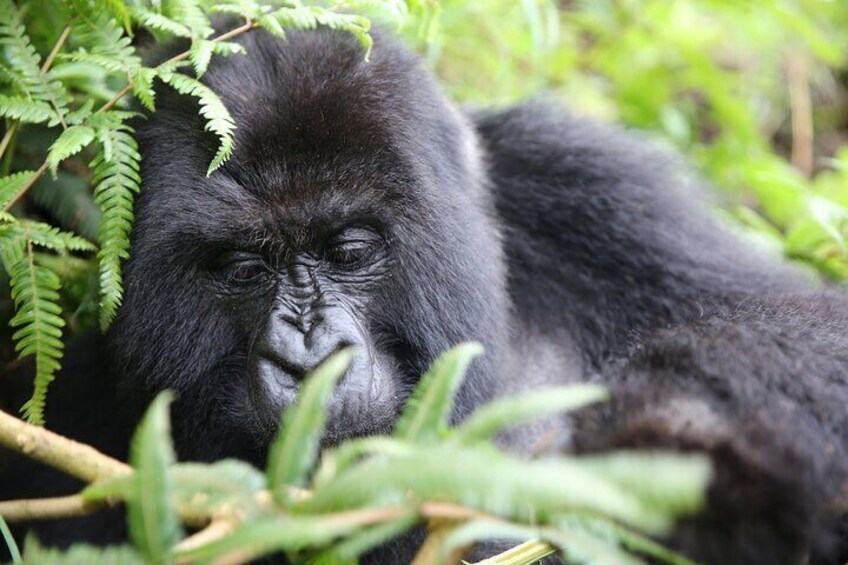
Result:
pixel 572 251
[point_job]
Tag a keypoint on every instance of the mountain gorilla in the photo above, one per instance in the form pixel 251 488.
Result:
pixel 361 208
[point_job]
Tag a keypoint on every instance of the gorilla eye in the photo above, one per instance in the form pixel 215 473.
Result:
pixel 349 253
pixel 353 247
pixel 241 267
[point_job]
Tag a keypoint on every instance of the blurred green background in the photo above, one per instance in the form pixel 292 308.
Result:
pixel 753 93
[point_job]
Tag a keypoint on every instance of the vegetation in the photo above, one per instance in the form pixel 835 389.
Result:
pixel 369 490
pixel 752 92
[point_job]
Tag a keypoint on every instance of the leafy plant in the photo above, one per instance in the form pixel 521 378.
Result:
pixel 366 491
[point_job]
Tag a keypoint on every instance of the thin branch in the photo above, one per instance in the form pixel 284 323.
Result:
pixel 40 171
pixel 49 508
pixel 7 138
pixel 56 48
pixel 73 458
pixel 176 59
pixel 802 113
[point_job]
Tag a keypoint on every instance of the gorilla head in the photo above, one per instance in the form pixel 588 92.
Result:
pixel 353 212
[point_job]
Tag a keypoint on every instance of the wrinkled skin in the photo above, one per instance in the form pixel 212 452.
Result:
pixel 362 209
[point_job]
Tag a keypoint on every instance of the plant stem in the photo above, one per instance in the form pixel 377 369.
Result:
pixel 176 59
pixel 73 458
pixel 48 508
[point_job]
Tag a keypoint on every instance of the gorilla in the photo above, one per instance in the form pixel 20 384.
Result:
pixel 362 208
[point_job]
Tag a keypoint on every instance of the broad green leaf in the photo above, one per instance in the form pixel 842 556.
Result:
pixel 427 411
pixel 491 418
pixel 153 522
pixel 293 452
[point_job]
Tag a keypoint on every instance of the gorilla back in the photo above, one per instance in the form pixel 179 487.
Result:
pixel 360 208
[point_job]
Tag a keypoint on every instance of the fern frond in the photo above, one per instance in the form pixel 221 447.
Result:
pixel 218 118
pixel 24 64
pixel 103 40
pixel 158 22
pixel 70 142
pixel 244 8
pixel 116 180
pixel 7 217
pixel 47 236
pixel 310 17
pixel 202 50
pixel 24 109
pixel 12 185
pixel 142 87
pixel 12 245
pixel 39 322
pixel 190 14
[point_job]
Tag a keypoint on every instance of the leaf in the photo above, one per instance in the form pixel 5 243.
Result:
pixel 218 118
pixel 70 142
pixel 142 85
pixel 79 554
pixel 24 109
pixel 272 534
pixel 25 68
pixel 159 22
pixel 34 290
pixel 665 481
pixel 116 180
pixel 491 418
pixel 359 543
pixel 200 54
pixel 13 185
pixel 480 478
pixel 153 523
pixel 204 488
pixel 293 452
pixel 427 411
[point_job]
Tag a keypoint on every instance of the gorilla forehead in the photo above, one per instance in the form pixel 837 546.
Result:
pixel 322 134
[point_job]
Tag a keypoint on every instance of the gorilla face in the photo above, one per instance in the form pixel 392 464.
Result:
pixel 351 214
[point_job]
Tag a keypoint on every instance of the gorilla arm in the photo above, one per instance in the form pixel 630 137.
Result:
pixel 764 392
pixel 707 343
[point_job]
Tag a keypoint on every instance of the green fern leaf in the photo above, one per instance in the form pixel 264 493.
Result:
pixel 190 14
pixel 116 180
pixel 142 86
pixel 12 186
pixel 39 326
pixel 25 64
pixel 218 118
pixel 12 245
pixel 70 142
pixel 103 41
pixel 7 217
pixel 200 54
pixel 158 22
pixel 47 236
pixel 310 17
pixel 24 109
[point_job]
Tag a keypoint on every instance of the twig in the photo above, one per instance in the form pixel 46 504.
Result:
pixel 73 458
pixel 49 508
pixel 802 113
pixel 176 59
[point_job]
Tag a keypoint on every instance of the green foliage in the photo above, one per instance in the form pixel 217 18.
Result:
pixel 293 453
pixel 153 523
pixel 425 417
pixel 745 90
pixel 593 509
